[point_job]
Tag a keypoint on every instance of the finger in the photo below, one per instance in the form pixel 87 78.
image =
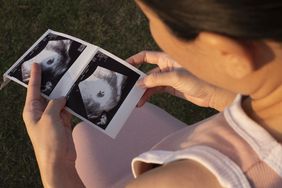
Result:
pixel 145 57
pixel 144 98
pixel 159 79
pixel 55 107
pixel 43 102
pixel 33 108
pixel 147 95
pixel 154 70
pixel 66 116
pixel 33 89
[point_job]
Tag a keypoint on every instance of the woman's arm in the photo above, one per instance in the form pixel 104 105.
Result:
pixel 182 173
pixel 62 174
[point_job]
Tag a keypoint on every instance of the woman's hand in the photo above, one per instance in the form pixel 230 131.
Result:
pixel 49 128
pixel 171 77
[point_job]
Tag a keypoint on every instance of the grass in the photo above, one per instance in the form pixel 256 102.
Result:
pixel 116 25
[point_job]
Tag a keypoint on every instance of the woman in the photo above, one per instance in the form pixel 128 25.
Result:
pixel 229 48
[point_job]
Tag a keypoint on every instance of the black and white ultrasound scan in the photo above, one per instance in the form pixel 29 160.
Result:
pixel 101 89
pixel 55 54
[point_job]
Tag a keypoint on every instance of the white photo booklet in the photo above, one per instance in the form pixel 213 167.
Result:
pixel 100 88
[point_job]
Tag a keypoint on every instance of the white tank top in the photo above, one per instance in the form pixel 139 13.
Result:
pixel 238 151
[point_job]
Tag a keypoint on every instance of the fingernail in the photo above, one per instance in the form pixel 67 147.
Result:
pixel 35 64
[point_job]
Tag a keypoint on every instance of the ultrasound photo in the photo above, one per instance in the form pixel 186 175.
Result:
pixel 101 89
pixel 55 54
pixel 101 92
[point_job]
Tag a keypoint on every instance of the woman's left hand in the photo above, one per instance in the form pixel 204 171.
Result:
pixel 172 78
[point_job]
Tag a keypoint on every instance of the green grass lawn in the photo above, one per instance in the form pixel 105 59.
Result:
pixel 115 25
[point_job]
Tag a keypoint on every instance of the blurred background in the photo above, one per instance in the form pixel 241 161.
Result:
pixel 115 25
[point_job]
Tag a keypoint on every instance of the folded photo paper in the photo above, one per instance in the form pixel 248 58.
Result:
pixel 100 87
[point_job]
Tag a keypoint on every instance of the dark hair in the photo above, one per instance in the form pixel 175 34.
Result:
pixel 243 19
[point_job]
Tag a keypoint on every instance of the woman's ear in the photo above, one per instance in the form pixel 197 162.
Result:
pixel 235 57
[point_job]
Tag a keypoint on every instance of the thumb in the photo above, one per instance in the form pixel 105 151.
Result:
pixel 159 79
pixel 55 106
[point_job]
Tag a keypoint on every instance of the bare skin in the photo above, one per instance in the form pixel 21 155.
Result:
pixel 182 173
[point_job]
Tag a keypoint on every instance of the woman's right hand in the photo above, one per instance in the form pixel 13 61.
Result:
pixel 172 78
pixel 49 128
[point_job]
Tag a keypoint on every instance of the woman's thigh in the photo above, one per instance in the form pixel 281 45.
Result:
pixel 105 162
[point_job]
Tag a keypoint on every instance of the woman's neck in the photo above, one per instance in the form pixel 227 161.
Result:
pixel 267 111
